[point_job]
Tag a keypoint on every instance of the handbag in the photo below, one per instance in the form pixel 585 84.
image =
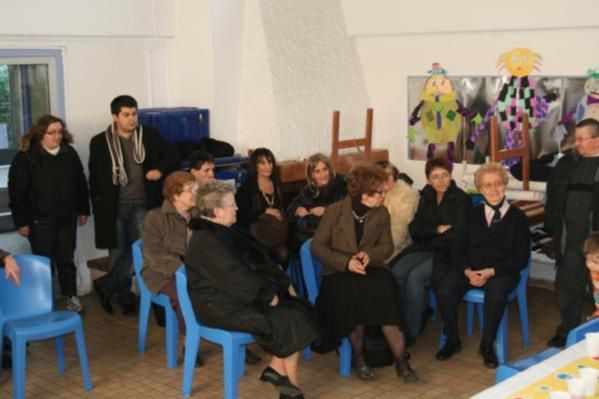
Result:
pixel 270 230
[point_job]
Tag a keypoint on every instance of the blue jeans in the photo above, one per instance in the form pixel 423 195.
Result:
pixel 413 273
pixel 117 281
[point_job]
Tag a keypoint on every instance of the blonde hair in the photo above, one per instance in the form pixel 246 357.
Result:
pixel 312 163
pixel 591 244
pixel 490 167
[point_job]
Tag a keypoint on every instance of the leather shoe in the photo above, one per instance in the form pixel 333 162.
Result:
pixel 404 370
pixel 128 309
pixel 281 382
pixel 364 373
pixel 557 341
pixel 489 357
pixel 448 350
pixel 104 299
pixel 251 357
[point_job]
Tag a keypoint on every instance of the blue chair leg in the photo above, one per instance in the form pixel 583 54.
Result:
pixel 501 340
pixel 230 358
pixel 171 336
pixel 469 318
pixel 83 362
pixel 192 343
pixel 345 358
pixel 307 353
pixel 19 365
pixel 240 361
pixel 144 314
pixel 523 311
pixel 60 353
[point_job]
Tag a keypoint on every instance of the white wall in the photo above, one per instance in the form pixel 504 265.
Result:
pixel 158 51
pixel 399 39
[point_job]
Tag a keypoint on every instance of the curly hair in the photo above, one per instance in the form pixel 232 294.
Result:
pixel 365 178
pixel 39 129
pixel 175 183
pixel 210 196
pixel 490 167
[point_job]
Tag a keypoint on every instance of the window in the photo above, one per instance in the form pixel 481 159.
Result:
pixel 31 85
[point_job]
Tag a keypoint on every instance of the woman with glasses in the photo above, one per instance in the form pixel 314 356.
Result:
pixel 442 208
pixel 234 284
pixel 353 240
pixel 48 198
pixel 489 252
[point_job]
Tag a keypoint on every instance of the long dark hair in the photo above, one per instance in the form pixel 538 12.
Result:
pixel 255 158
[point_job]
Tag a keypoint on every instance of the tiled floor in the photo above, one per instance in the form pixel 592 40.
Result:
pixel 118 371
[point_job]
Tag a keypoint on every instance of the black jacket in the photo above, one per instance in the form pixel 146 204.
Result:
pixel 333 192
pixel 105 195
pixel 452 210
pixel 557 190
pixel 227 269
pixel 45 187
pixel 252 204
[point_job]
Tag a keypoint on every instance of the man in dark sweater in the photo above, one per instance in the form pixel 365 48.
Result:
pixel 571 213
pixel 127 164
pixel 489 253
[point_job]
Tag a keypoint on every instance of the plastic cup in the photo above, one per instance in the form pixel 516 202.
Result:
pixel 592 340
pixel 559 395
pixel 589 376
pixel 576 388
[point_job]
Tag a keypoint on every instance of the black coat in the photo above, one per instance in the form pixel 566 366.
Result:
pixel 228 269
pixel 252 204
pixel 307 197
pixel 557 191
pixel 105 195
pixel 46 187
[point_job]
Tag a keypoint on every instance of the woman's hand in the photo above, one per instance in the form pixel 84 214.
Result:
pixel 301 212
pixel 12 270
pixel 355 266
pixel 274 212
pixel 442 228
pixel 363 258
pixel 275 301
pixel 24 231
pixel 478 278
pixel 318 211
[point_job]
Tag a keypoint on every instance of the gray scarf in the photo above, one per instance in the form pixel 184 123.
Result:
pixel 119 174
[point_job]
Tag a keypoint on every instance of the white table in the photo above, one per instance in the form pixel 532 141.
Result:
pixel 535 373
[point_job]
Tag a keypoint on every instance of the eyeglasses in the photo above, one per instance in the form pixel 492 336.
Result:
pixel 379 192
pixel 489 186
pixel 193 189
pixel 233 205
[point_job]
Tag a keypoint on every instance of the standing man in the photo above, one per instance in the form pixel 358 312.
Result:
pixel 127 163
pixel 571 213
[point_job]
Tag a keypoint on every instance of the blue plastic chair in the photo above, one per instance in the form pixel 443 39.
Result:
pixel 577 334
pixel 233 343
pixel 294 272
pixel 26 314
pixel 311 268
pixel 146 298
pixel 476 296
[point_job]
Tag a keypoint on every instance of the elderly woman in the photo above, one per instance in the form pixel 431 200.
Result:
pixel 488 253
pixel 261 204
pixel 49 198
pixel 323 187
pixel 443 207
pixel 234 284
pixel 358 289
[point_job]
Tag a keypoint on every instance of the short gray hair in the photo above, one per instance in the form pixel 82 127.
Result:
pixel 210 196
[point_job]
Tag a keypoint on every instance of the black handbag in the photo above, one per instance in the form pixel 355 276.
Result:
pixel 376 349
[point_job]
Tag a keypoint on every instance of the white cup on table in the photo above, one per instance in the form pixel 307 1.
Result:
pixel 559 395
pixel 589 375
pixel 592 340
pixel 576 388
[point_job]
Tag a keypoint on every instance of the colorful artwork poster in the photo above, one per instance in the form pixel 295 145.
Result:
pixel 478 93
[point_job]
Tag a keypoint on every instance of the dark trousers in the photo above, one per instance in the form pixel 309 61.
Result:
pixel 451 291
pixel 57 242
pixel 170 290
pixel 570 284
pixel 117 281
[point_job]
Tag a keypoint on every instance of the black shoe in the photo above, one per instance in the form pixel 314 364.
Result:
pixel 364 373
pixel 557 341
pixel 104 299
pixel 281 383
pixel 404 370
pixel 128 309
pixel 252 358
pixel 448 350
pixel 489 357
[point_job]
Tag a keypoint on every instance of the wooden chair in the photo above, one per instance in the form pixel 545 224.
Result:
pixel 498 154
pixel 343 164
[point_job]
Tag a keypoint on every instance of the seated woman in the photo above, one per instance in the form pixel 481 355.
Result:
pixel 323 187
pixel 443 207
pixel 401 201
pixel 261 204
pixel 358 289
pixel 488 253
pixel 234 284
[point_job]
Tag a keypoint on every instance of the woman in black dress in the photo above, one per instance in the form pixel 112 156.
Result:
pixel 234 284
pixel 358 289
